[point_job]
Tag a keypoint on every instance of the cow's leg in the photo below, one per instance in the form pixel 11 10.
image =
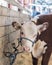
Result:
pixel 46 57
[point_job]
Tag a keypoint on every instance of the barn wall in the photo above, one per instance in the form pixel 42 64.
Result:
pixel 7 33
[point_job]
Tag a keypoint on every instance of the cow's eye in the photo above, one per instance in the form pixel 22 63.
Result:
pixel 22 33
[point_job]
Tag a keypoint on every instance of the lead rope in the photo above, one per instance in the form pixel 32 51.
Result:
pixel 12 56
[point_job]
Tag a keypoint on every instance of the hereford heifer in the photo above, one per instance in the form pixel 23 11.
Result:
pixel 47 37
pixel 29 32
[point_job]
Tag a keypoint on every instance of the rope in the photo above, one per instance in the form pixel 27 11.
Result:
pixel 12 56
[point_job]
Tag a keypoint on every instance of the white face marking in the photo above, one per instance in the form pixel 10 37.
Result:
pixel 30 31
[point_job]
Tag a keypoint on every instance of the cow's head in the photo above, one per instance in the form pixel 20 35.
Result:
pixel 30 31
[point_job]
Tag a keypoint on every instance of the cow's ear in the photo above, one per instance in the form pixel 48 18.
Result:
pixel 42 27
pixel 16 25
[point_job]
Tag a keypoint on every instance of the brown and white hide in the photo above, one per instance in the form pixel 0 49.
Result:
pixel 30 31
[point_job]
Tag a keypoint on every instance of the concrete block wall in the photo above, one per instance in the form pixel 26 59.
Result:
pixel 7 33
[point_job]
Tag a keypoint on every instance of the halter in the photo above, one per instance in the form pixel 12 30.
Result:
pixel 21 38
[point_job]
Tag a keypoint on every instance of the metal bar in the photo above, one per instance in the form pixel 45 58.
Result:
pixel 5 25
pixel 9 16
pixel 7 34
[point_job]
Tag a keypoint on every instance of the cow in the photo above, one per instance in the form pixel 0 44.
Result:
pixel 29 32
pixel 47 37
